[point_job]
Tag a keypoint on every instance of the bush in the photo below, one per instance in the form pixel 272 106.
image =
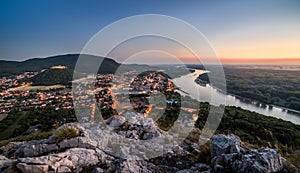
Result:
pixel 67 132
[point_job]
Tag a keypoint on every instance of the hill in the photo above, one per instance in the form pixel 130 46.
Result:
pixel 269 86
pixel 37 64
pixel 53 77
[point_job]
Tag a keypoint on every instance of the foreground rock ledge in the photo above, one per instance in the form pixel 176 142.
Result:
pixel 83 154
pixel 227 154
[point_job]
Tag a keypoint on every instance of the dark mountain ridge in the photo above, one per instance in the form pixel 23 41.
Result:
pixel 37 64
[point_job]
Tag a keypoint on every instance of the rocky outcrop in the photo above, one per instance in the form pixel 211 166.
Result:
pixel 228 155
pixel 116 121
pixel 85 153
pixel 225 144
pixel 197 168
pixel 260 160
pixel 72 160
pixel 5 163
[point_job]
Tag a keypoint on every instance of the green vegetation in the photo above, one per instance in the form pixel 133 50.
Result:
pixel 29 137
pixel 167 120
pixel 66 133
pixel 277 87
pixel 255 128
pixel 251 127
pixel 17 123
pixel 2 116
pixel 53 77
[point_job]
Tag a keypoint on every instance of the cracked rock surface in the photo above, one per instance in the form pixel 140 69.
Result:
pixel 85 153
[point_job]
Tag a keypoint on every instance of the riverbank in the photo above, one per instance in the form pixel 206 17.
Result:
pixel 216 97
pixel 245 98
pixel 279 88
pixel 256 102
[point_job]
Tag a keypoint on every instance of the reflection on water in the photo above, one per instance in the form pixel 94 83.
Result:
pixel 209 94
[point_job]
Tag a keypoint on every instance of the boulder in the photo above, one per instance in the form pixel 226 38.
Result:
pixel 32 168
pixel 34 149
pixel 116 121
pixel 11 146
pixel 142 166
pixel 225 144
pixel 135 166
pixel 77 142
pixel 5 163
pixel 197 168
pixel 74 159
pixel 227 154
pixel 264 160
pixel 89 152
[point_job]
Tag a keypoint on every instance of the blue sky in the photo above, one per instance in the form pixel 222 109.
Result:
pixel 236 29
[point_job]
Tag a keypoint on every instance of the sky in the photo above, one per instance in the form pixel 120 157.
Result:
pixel 250 32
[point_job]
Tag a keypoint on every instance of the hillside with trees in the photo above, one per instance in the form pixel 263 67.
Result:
pixel 275 87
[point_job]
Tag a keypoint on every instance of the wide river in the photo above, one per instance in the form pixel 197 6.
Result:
pixel 209 94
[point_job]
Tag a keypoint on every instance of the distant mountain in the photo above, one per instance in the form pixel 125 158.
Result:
pixel 38 64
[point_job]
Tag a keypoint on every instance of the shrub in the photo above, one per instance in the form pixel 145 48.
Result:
pixel 66 132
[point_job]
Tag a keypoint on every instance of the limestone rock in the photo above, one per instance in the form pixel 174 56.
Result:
pixel 116 121
pixel 228 154
pixel 5 163
pixel 197 168
pixel 225 144
pixel 34 149
pixel 78 142
pixel 90 152
pixel 74 159
pixel 32 168
pixel 263 160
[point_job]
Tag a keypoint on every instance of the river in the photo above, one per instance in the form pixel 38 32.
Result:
pixel 213 96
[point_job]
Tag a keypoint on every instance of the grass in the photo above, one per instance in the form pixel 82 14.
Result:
pixel 294 158
pixel 2 116
pixel 66 133
pixel 8 132
pixel 29 137
pixel 43 88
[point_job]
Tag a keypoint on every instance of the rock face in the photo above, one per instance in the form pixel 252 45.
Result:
pixel 261 160
pixel 227 154
pixel 5 163
pixel 72 160
pixel 85 153
pixel 225 144
pixel 116 121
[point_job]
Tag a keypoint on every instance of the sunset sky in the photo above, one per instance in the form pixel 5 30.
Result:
pixel 251 32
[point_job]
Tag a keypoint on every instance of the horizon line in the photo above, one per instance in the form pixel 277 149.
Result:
pixel 223 60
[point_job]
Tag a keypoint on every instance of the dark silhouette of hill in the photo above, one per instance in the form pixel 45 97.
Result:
pixel 53 77
pixel 38 64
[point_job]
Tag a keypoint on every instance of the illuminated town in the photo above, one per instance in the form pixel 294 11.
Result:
pixel 16 94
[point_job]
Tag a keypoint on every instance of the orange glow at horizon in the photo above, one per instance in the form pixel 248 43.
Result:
pixel 260 60
pixel 158 51
pixel 284 57
pixel 243 60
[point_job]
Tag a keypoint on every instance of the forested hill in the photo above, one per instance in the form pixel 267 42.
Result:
pixel 53 77
pixel 37 64
pixel 277 87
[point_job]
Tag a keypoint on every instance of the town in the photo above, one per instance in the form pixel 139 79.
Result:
pixel 16 94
